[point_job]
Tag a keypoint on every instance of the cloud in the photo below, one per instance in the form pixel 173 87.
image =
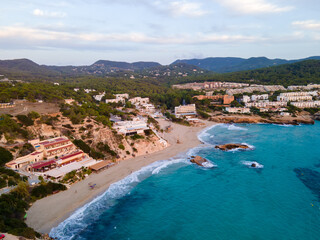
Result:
pixel 39 38
pixel 41 13
pixel 308 24
pixel 183 8
pixel 253 6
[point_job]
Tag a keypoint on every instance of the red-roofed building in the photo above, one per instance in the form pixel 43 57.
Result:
pixel 73 157
pixel 42 166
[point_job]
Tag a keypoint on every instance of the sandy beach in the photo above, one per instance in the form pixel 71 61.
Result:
pixel 50 211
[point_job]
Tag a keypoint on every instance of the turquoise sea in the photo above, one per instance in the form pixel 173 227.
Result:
pixel 174 199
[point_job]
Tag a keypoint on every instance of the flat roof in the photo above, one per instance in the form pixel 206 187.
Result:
pixel 100 165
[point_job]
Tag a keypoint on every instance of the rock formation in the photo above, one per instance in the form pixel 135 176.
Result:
pixel 230 146
pixel 198 160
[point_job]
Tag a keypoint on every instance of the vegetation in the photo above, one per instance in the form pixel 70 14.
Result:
pixel 45 189
pixel 25 120
pixel 13 207
pixel 5 156
pixel 136 137
pixel 87 149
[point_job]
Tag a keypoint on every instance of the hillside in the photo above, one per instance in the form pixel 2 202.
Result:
pixel 25 68
pixel 104 67
pixel 232 64
pixel 299 73
pixel 173 71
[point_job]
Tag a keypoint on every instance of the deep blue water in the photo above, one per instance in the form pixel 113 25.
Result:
pixel 178 200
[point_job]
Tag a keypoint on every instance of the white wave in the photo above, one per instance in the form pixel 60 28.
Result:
pixel 168 163
pixel 249 164
pixel 209 164
pixel 90 212
pixel 251 147
pixel 237 128
pixel 204 133
pixel 283 125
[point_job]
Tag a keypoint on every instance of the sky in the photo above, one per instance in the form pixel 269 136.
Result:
pixel 80 32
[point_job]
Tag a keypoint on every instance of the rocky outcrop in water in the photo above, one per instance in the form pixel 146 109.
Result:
pixel 230 146
pixel 198 160
pixel 258 119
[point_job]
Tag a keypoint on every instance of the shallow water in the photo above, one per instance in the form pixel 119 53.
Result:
pixel 179 200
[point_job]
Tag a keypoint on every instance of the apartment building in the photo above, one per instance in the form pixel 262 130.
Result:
pixel 7 105
pixel 185 110
pixel 266 104
pixel 139 101
pixel 262 97
pixel 294 98
pixel 237 110
pixel 311 104
pixel 226 99
pixel 136 126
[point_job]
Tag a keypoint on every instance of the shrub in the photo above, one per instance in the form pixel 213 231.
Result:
pixel 25 120
pixel 5 156
pixel 121 146
pixel 46 189
pixel 136 137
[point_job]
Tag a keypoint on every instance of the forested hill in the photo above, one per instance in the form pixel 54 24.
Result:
pixel 299 73
pixel 232 64
pixel 25 68
pixel 104 67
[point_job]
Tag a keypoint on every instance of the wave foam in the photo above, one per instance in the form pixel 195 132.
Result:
pixel 90 212
pixel 204 133
pixel 236 128
pixel 283 125
pixel 249 163
pixel 209 164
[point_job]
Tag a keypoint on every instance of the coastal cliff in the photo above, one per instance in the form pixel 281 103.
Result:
pixel 257 119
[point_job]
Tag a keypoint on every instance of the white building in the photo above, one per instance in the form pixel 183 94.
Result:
pixel 99 96
pixel 185 110
pixel 136 126
pixel 294 98
pixel 139 101
pixel 237 110
pixel 313 104
pixel 266 104
pixel 119 98
pixel 148 108
pixel 122 95
pixel 259 97
pixel 246 99
pixel 295 94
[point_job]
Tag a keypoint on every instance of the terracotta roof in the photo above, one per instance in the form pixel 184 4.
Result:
pixel 64 146
pixel 42 164
pixel 56 141
pixel 71 155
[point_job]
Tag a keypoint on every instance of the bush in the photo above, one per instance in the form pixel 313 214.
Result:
pixel 46 189
pixel 136 137
pixel 5 156
pixel 121 146
pixel 26 149
pixel 25 120
pixel 82 145
pixel 33 115
pixel 203 114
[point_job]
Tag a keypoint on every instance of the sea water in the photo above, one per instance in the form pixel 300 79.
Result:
pixel 174 199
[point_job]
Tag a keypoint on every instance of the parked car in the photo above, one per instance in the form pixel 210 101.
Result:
pixel 2 236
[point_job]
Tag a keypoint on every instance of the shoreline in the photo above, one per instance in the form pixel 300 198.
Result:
pixel 49 212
